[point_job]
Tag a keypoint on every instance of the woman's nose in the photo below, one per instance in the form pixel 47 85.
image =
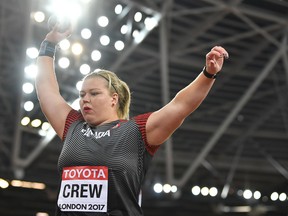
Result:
pixel 86 99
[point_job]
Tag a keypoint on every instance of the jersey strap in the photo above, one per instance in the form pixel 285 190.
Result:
pixel 72 117
pixel 141 122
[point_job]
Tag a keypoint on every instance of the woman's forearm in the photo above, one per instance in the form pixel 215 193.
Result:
pixel 46 81
pixel 189 98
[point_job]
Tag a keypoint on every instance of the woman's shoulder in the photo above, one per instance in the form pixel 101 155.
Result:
pixel 72 117
pixel 141 117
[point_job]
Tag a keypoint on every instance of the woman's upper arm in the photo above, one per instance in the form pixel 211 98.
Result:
pixel 56 110
pixel 162 123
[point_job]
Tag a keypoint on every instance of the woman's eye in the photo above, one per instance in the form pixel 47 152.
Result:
pixel 94 93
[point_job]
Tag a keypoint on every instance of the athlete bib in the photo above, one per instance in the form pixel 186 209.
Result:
pixel 84 188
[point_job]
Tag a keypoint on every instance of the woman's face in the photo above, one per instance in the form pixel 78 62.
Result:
pixel 96 102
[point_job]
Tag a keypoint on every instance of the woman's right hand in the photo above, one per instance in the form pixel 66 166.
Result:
pixel 55 36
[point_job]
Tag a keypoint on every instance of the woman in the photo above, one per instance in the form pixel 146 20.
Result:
pixel 105 155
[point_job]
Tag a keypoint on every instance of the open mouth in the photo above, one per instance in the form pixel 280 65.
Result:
pixel 86 109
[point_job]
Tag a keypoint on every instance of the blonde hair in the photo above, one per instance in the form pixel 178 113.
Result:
pixel 115 85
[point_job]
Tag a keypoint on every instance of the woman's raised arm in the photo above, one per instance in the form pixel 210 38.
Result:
pixel 162 123
pixel 53 105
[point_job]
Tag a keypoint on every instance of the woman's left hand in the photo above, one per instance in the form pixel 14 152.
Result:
pixel 215 59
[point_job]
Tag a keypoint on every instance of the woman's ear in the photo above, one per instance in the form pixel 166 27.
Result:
pixel 114 99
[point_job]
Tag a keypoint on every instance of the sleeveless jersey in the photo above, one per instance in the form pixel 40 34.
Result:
pixel 102 168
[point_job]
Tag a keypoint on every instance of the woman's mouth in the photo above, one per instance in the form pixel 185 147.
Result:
pixel 86 109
